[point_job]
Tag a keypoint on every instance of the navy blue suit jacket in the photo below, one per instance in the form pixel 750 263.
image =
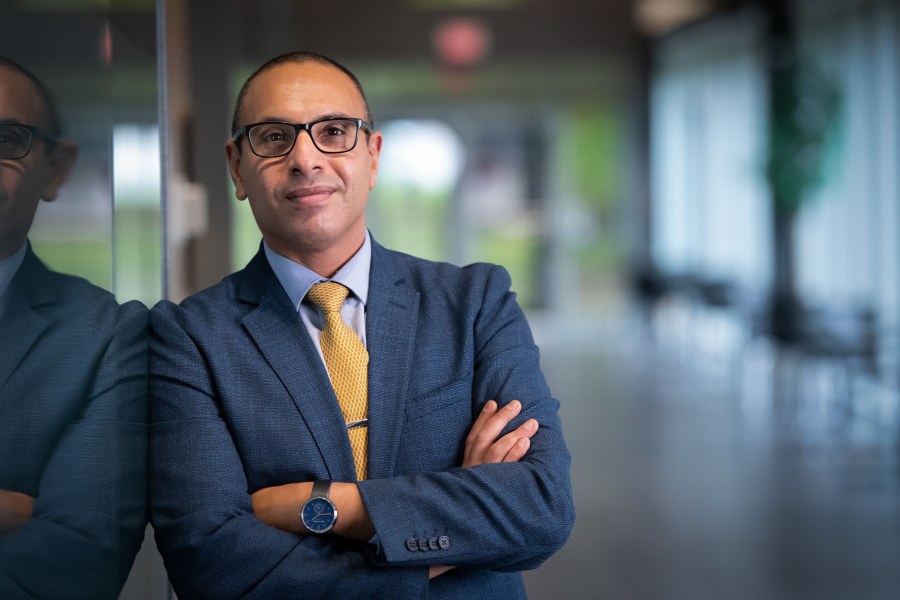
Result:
pixel 241 401
pixel 73 434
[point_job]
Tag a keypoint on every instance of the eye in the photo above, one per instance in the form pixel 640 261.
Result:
pixel 334 129
pixel 271 134
pixel 274 135
pixel 9 135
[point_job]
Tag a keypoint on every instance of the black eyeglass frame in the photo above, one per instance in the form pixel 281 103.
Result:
pixel 245 132
pixel 33 132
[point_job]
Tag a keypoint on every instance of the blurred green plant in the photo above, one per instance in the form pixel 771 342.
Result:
pixel 806 108
pixel 591 140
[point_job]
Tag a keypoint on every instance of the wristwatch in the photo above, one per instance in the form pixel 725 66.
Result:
pixel 319 514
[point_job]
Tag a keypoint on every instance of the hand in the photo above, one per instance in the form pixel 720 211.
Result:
pixel 437 570
pixel 483 447
pixel 15 510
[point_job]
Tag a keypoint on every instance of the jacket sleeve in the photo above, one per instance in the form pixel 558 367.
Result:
pixel 91 506
pixel 505 516
pixel 212 543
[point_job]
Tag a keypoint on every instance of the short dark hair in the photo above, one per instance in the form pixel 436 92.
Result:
pixel 54 122
pixel 298 57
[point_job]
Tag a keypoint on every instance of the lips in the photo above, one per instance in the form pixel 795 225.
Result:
pixel 310 194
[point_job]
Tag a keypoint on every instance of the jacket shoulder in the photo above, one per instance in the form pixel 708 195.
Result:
pixel 429 273
pixel 214 303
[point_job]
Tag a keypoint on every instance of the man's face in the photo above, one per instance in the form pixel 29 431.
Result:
pixel 308 205
pixel 23 182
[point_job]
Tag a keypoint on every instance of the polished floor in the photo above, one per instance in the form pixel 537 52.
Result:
pixel 698 476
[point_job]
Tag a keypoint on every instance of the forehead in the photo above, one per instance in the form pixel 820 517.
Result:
pixel 19 98
pixel 301 92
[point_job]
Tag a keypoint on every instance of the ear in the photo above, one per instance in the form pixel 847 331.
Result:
pixel 374 146
pixel 234 167
pixel 61 159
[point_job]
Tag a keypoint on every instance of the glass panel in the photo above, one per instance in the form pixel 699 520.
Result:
pixel 73 403
pixel 101 69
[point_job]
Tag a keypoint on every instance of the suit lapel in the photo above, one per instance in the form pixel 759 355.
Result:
pixel 20 325
pixel 279 333
pixel 20 328
pixel 391 317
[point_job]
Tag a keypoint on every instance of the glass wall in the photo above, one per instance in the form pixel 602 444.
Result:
pixel 714 215
pixel 711 197
pixel 100 63
pixel 850 230
pixel 708 130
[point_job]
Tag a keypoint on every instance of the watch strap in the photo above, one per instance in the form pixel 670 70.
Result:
pixel 321 488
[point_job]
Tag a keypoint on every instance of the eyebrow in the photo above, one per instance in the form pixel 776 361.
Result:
pixel 335 115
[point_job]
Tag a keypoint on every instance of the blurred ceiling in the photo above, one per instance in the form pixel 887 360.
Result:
pixel 387 30
pixel 403 29
pixel 390 29
pixel 529 47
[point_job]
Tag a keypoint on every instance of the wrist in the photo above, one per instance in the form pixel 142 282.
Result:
pixel 279 506
pixel 354 522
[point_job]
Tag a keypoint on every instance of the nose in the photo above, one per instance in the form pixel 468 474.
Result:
pixel 304 156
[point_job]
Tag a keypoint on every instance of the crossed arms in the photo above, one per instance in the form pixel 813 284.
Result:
pixel 279 506
pixel 76 524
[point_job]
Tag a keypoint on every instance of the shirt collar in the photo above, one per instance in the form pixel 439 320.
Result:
pixel 297 279
pixel 9 266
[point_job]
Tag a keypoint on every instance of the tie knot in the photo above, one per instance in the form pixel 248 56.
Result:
pixel 328 296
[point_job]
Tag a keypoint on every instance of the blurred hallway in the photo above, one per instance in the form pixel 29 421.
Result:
pixel 683 491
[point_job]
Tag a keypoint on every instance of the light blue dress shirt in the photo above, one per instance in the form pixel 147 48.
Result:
pixel 296 280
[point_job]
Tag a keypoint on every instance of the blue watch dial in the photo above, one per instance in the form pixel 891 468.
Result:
pixel 318 515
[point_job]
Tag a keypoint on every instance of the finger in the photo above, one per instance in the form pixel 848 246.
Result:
pixel 498 451
pixel 498 422
pixel 502 447
pixel 486 413
pixel 518 451
pixel 481 440
pixel 527 429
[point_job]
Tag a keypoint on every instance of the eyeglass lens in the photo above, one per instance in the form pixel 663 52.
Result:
pixel 15 141
pixel 277 139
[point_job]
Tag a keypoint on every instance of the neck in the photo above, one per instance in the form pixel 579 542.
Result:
pixel 325 261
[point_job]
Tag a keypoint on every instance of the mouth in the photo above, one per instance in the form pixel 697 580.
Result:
pixel 310 195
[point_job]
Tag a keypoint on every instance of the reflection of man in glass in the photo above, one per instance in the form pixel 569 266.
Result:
pixel 72 385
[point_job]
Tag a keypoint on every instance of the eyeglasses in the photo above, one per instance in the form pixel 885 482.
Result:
pixel 273 139
pixel 15 140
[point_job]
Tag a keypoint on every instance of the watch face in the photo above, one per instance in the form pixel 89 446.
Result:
pixel 318 515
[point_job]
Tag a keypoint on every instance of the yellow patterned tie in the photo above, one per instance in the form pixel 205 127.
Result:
pixel 348 366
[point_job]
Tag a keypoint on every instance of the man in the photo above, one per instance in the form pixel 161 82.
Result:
pixel 267 481
pixel 73 407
